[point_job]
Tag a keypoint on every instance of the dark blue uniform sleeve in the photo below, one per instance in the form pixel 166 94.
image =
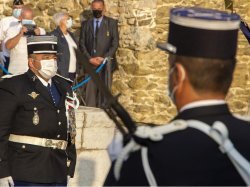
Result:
pixel 8 107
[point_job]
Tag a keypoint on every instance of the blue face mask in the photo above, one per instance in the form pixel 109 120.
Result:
pixel 27 22
pixel 17 12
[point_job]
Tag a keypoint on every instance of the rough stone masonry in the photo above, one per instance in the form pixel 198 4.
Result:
pixel 142 75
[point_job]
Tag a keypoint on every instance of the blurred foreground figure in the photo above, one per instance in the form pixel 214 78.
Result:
pixel 202 47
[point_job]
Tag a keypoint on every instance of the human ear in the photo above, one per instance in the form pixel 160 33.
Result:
pixel 181 72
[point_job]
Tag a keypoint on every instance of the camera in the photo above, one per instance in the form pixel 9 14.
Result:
pixel 30 28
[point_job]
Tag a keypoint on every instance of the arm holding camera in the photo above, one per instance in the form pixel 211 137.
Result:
pixel 37 31
pixel 13 37
pixel 11 41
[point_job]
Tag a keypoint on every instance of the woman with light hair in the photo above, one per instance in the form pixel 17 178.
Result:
pixel 67 44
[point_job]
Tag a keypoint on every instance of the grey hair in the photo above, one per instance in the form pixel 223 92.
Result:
pixel 58 17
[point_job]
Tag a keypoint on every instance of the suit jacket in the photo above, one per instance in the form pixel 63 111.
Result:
pixel 108 39
pixel 63 56
pixel 25 162
pixel 189 157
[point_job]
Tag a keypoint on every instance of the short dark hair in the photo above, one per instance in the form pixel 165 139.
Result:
pixel 213 75
pixel 18 2
pixel 98 1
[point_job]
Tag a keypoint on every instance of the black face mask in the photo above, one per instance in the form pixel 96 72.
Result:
pixel 97 13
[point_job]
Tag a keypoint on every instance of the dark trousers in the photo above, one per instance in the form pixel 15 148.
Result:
pixel 93 96
pixel 6 63
pixel 21 183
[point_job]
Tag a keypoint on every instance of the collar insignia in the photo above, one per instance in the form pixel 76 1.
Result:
pixel 34 78
pixel 34 95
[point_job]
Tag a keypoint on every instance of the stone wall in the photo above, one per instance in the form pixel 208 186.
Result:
pixel 142 76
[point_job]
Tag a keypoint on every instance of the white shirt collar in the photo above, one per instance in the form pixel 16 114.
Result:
pixel 45 83
pixel 98 19
pixel 203 103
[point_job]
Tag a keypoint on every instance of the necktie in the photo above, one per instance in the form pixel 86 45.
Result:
pixel 54 94
pixel 96 34
pixel 96 28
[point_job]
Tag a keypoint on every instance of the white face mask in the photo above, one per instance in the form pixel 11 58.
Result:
pixel 69 23
pixel 171 91
pixel 48 68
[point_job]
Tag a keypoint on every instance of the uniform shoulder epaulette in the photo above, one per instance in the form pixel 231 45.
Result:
pixel 244 118
pixel 67 79
pixel 8 76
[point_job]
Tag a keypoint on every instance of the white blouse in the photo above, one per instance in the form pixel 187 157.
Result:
pixel 72 46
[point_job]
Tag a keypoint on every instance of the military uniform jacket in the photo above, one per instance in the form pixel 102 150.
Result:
pixel 190 157
pixel 25 162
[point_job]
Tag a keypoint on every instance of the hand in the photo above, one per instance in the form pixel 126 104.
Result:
pixel 68 178
pixel 99 60
pixel 94 61
pixel 37 31
pixel 116 146
pixel 7 181
pixel 23 30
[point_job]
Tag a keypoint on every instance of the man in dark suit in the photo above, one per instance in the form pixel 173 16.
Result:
pixel 99 38
pixel 35 144
pixel 202 44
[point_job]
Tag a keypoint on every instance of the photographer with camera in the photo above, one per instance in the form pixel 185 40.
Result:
pixel 5 24
pixel 16 41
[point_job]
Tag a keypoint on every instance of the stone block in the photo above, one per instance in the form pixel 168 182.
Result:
pixel 79 114
pixel 78 138
pixel 91 168
pixel 97 138
pixel 79 124
pixel 138 83
pixel 95 117
pixel 42 6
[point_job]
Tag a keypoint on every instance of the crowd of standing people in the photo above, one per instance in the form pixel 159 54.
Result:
pixel 99 39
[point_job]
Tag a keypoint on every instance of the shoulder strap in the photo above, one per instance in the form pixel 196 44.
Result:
pixel 9 76
pixel 67 79
pixel 219 133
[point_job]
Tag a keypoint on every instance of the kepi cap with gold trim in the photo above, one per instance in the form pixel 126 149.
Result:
pixel 44 44
pixel 205 33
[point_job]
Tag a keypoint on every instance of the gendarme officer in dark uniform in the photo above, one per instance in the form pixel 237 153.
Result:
pixel 202 44
pixel 35 146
